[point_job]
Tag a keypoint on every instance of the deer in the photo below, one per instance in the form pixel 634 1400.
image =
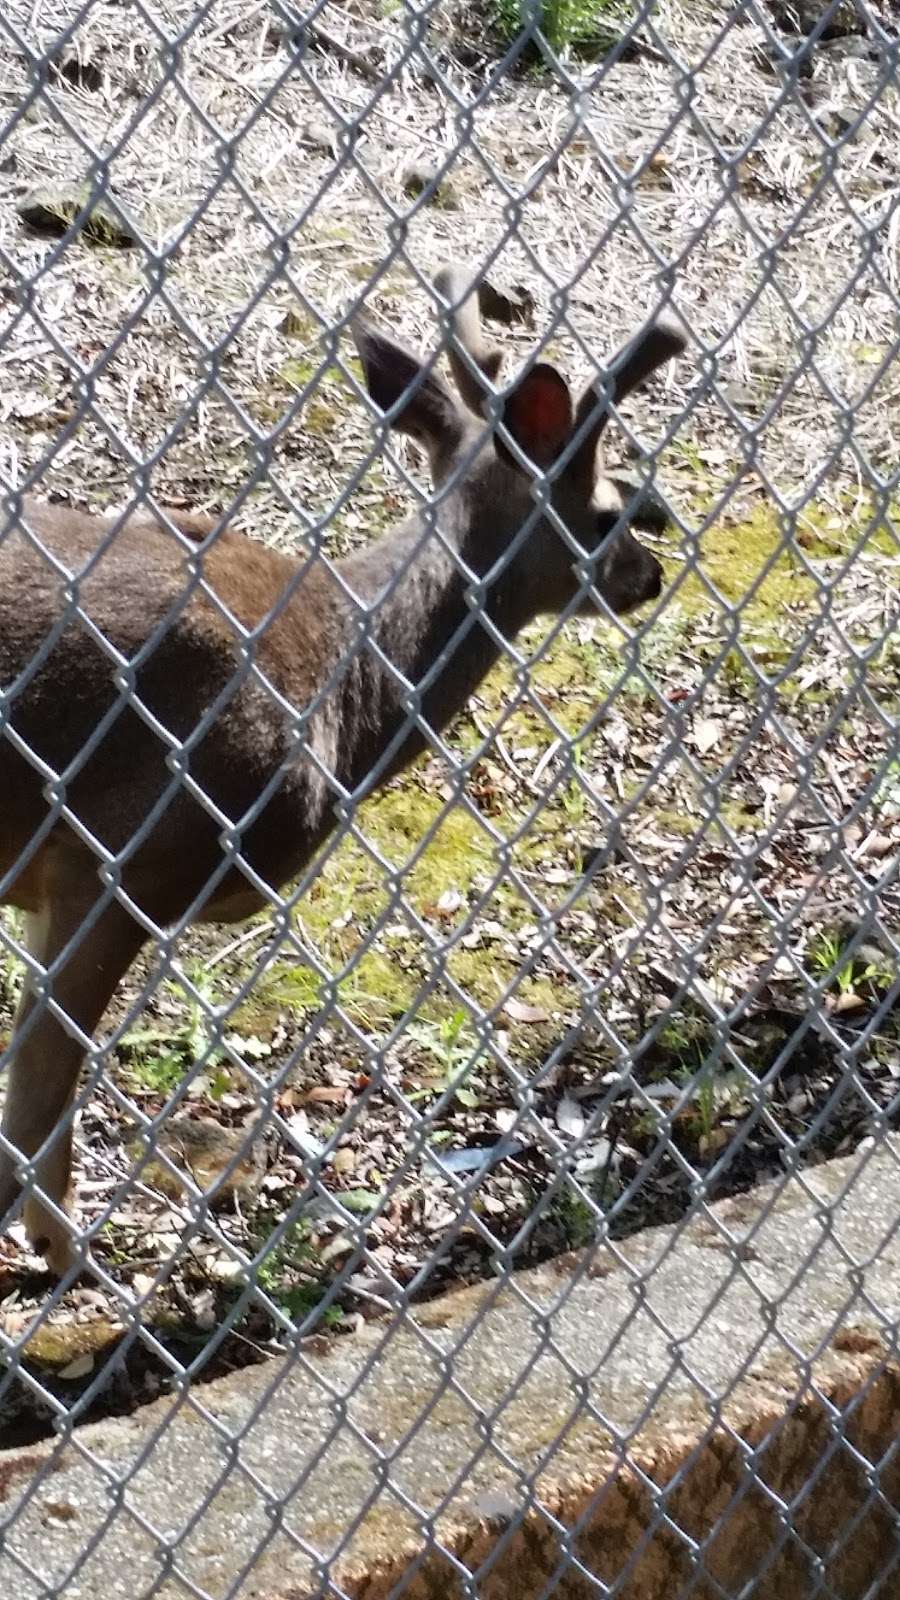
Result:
pixel 182 705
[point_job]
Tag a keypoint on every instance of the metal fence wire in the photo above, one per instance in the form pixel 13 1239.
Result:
pixel 616 953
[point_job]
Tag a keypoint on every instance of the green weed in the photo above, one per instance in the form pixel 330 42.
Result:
pixel 844 975
pixel 159 1055
pixel 289 1275
pixel 453 1046
pixel 579 25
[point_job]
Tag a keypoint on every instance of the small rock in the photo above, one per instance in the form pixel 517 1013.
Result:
pixel 296 324
pixel 54 209
pixel 65 1346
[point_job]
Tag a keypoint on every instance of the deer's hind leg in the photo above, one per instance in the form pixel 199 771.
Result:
pixel 48 1041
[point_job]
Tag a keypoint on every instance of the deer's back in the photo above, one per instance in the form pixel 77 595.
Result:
pixel 177 654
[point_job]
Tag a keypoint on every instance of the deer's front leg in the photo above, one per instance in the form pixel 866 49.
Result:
pixel 45 1052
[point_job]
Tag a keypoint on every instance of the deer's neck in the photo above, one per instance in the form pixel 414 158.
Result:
pixel 414 582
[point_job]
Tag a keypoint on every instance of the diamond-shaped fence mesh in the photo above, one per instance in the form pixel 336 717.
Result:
pixel 558 872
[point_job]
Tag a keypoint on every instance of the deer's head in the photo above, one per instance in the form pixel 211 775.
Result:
pixel 548 445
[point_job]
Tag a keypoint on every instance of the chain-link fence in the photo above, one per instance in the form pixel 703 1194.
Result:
pixel 560 859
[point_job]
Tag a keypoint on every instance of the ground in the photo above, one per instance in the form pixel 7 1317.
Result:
pixel 644 943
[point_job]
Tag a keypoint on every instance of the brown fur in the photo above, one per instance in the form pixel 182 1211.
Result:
pixel 126 642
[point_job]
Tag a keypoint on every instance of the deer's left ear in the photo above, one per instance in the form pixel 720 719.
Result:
pixel 428 411
pixel 539 415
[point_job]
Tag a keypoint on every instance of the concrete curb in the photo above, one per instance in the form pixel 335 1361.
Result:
pixel 693 1409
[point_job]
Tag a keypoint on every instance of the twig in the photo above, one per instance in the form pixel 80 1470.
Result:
pixel 337 47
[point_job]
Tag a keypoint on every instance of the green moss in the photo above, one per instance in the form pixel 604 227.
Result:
pixel 683 823
pixel 303 370
pixel 739 818
pixel 351 913
pixel 751 565
pixel 300 325
pixel 764 565
pixel 56 1344
pixel 299 371
pixel 319 417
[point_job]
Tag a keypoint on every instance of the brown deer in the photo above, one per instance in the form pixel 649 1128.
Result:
pixel 178 713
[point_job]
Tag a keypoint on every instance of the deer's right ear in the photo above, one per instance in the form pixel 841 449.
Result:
pixel 428 409
pixel 538 413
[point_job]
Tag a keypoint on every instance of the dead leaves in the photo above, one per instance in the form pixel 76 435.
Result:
pixel 519 1011
pixel 706 733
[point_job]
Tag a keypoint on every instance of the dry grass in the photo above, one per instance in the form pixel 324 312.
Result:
pixel 745 835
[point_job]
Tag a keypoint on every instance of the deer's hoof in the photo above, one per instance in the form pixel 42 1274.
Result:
pixel 51 1239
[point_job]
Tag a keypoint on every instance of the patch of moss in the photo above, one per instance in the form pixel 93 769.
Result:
pixel 300 325
pixel 55 1345
pixel 761 565
pixel 319 417
pixel 751 565
pixel 303 370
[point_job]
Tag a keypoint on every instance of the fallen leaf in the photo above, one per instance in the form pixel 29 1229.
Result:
pixel 848 1001
pixel 597 1159
pixel 519 1011
pixel 79 1368
pixel 474 1157
pixel 707 732
pixel 60 1511
pixel 203 1307
pixel 360 1201
pixel 299 1135
pixel 325 1094
pixel 663 1089
pixel 570 1118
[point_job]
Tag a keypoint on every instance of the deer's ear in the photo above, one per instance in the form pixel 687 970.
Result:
pixel 393 376
pixel 539 415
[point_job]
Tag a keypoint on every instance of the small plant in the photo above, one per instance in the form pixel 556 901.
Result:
pixel 574 796
pixel 825 959
pixel 716 1092
pixel 160 1056
pixel 845 974
pixel 575 1216
pixel 706 1100
pixel 289 1275
pixel 685 1035
pixel 583 26
pixel 453 1045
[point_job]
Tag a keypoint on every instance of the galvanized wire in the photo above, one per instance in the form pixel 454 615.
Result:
pixel 410 44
